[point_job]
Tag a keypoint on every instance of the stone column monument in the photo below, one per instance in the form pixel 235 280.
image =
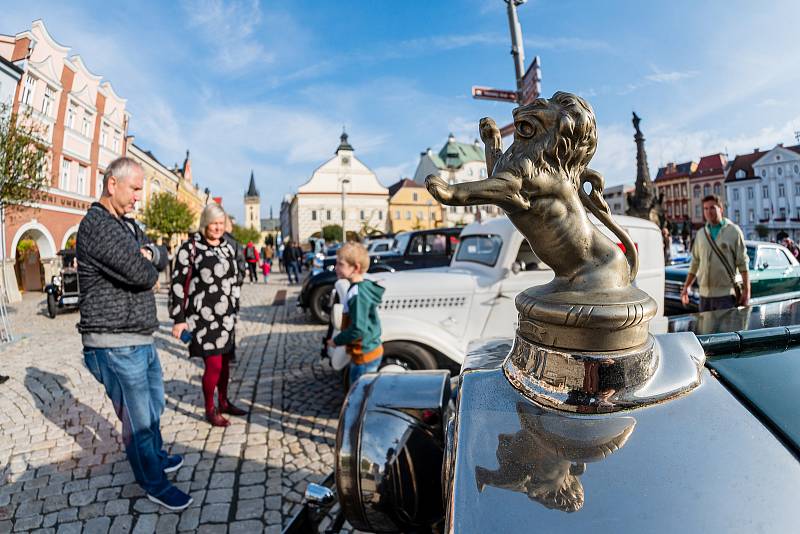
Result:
pixel 645 202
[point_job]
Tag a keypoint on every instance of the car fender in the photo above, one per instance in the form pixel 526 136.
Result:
pixel 404 328
pixel 50 288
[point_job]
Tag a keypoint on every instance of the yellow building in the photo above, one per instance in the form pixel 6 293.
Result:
pixel 411 207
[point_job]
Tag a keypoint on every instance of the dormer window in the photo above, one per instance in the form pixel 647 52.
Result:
pixel 763 173
pixel 740 173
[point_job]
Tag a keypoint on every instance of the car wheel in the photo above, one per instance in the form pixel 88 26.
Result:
pixel 319 303
pixel 408 355
pixel 52 305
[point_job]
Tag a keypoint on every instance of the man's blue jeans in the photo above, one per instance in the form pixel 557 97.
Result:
pixel 133 381
pixel 293 267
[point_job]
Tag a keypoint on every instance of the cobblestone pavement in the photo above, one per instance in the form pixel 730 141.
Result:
pixel 62 468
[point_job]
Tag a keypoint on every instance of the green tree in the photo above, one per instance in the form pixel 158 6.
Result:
pixel 167 216
pixel 332 232
pixel 245 234
pixel 22 158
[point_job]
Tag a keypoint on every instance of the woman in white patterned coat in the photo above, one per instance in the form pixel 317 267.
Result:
pixel 204 301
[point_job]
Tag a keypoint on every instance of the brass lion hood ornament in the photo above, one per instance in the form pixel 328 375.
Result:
pixel 582 343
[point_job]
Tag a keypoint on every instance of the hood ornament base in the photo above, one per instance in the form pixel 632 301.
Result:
pixel 582 338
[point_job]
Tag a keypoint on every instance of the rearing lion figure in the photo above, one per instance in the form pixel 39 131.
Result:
pixel 539 182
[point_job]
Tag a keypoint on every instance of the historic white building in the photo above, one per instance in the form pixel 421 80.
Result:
pixel 456 162
pixel 763 193
pixel 341 189
pixel 616 197
pixel 252 206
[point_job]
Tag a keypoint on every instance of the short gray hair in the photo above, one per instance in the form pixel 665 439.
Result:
pixel 210 213
pixel 121 168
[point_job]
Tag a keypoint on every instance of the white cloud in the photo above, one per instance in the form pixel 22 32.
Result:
pixel 669 77
pixel 230 30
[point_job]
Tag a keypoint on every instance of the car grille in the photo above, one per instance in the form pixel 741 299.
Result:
pixel 672 289
pixel 70 281
pixel 402 303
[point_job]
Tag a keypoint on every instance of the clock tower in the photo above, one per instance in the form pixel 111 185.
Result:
pixel 252 206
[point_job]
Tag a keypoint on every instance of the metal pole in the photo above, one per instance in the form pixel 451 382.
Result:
pixel 517 47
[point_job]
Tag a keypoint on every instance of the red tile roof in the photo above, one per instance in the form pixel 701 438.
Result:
pixel 745 163
pixel 405 182
pixel 713 164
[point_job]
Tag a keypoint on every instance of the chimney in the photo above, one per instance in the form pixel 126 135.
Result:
pixel 755 151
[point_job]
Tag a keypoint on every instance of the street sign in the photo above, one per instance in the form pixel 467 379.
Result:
pixel 487 93
pixel 532 82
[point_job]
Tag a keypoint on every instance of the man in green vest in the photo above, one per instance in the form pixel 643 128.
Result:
pixel 715 274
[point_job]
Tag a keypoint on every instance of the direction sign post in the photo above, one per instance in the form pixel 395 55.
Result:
pixel 487 93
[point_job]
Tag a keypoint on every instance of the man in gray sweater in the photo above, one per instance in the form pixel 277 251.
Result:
pixel 117 269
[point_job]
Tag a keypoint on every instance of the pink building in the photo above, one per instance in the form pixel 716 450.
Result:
pixel 86 125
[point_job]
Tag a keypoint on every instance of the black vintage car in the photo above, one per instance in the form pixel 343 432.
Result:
pixel 719 455
pixel 63 290
pixel 420 249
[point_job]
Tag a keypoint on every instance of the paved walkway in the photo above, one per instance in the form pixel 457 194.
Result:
pixel 62 468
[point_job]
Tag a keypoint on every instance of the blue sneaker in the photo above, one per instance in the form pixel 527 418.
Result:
pixel 173 463
pixel 172 499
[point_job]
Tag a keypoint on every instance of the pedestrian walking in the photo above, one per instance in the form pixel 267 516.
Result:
pixel 291 261
pixel 790 244
pixel 204 301
pixel 718 252
pixel 252 259
pixel 118 267
pixel 361 326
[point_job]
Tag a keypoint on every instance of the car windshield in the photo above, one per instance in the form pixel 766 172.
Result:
pixel 751 254
pixel 401 242
pixel 479 249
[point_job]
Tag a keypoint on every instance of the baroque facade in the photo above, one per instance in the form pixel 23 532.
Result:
pixel 411 207
pixel 763 193
pixel 85 123
pixel 672 182
pixel 343 190
pixel 456 163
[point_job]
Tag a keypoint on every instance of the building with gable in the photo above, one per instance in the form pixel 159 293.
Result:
pixel 411 207
pixel 85 123
pixel 707 179
pixel 456 163
pixel 672 182
pixel 342 191
pixel 763 192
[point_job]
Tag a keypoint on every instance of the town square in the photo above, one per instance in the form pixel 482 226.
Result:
pixel 468 266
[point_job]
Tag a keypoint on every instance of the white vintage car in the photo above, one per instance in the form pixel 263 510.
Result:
pixel 429 316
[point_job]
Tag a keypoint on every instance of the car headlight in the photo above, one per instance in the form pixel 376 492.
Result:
pixel 56 280
pixel 389 451
pixel 331 267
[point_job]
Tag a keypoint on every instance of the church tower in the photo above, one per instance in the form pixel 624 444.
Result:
pixel 252 206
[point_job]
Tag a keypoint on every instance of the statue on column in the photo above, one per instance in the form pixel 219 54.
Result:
pixel 645 202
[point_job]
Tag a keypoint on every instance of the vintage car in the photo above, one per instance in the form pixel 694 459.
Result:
pixel 412 250
pixel 63 290
pixel 720 457
pixel 774 276
pixel 429 316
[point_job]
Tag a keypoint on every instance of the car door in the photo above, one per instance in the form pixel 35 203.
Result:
pixel 530 271
pixel 775 273
pixel 436 250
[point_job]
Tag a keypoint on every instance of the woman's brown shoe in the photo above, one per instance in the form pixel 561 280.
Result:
pixel 216 419
pixel 229 408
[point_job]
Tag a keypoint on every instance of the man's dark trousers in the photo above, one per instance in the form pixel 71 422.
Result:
pixel 716 303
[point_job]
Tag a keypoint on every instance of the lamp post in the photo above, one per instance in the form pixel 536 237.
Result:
pixel 344 181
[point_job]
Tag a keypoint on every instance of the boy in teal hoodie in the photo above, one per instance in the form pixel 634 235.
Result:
pixel 361 327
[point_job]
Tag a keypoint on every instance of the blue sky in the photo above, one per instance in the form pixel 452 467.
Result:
pixel 268 85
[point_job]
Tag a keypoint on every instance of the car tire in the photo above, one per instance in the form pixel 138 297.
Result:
pixel 52 306
pixel 408 355
pixel 318 303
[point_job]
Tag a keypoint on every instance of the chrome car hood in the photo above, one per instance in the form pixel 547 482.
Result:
pixel 699 463
pixel 441 281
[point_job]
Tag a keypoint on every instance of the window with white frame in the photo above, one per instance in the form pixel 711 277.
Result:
pixel 415 196
pixel 736 215
pixel 48 101
pixel 71 117
pixel 751 216
pixel 706 190
pixel 764 191
pixel 85 126
pixel 696 191
pixel 81 186
pixel 697 211
pixel 328 215
pixel 420 216
pixel 766 213
pixel 780 171
pixel 750 193
pixel 797 189
pixel 717 189
pixel 735 194
pixel 782 212
pixel 99 184
pixel 408 215
pixel 27 90
pixel 396 214
pixel 116 144
pixel 740 173
pixel 362 215
pixel 65 164
pixel 103 136
pixel 781 190
pixel 380 215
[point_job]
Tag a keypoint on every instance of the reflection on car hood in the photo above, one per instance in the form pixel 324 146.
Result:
pixel 433 282
pixel 699 463
pixel 785 313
